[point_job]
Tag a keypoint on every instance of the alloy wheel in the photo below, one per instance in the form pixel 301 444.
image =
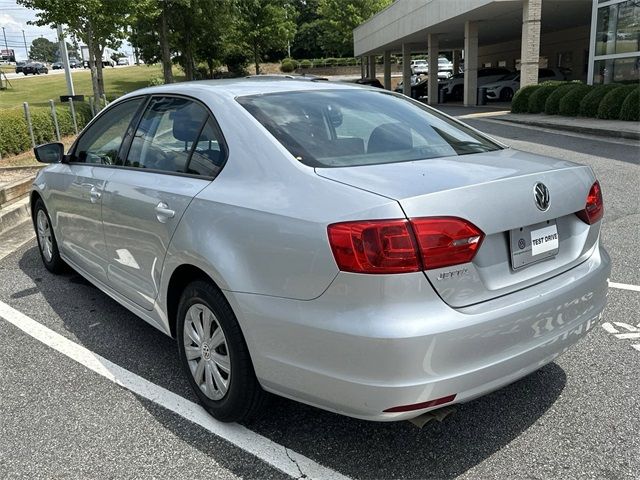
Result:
pixel 44 235
pixel 205 347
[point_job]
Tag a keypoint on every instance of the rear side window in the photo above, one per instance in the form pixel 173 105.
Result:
pixel 100 143
pixel 339 128
pixel 166 134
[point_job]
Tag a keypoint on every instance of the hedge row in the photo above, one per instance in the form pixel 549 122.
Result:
pixel 14 133
pixel 611 101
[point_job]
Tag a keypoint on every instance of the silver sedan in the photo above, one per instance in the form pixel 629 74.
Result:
pixel 343 246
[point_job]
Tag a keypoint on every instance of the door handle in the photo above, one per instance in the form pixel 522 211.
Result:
pixel 94 194
pixel 163 212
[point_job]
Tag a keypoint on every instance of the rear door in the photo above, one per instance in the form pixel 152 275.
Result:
pixel 175 152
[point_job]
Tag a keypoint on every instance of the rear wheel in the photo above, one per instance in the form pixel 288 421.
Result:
pixel 46 239
pixel 214 355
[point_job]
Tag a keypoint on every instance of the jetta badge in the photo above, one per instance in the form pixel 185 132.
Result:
pixel 541 196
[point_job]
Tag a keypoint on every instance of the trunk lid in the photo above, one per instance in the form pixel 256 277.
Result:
pixel 494 191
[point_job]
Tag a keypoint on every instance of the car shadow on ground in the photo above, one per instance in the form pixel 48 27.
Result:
pixel 352 447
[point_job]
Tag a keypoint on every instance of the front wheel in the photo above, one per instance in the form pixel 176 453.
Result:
pixel 506 94
pixel 46 239
pixel 214 355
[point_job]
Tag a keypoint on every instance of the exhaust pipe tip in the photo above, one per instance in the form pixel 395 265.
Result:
pixel 439 414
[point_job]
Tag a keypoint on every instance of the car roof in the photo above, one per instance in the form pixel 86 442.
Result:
pixel 238 87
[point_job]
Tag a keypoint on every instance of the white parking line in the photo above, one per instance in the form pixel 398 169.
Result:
pixel 272 453
pixel 625 286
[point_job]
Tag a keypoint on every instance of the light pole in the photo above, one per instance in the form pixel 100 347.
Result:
pixel 65 61
pixel 5 41
pixel 26 51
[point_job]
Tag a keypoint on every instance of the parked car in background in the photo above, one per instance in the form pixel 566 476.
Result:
pixel 336 244
pixel 123 61
pixel 73 63
pixel 371 82
pixel 454 87
pixel 419 67
pixel 57 66
pixel 20 66
pixel 504 88
pixel 445 68
pixel 35 68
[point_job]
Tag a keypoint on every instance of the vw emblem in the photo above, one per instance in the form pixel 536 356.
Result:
pixel 541 196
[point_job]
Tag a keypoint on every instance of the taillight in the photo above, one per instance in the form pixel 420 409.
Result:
pixel 401 246
pixel 446 241
pixel 594 209
pixel 376 246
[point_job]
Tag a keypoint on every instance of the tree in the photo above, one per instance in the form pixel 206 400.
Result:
pixel 340 17
pixel 264 25
pixel 43 50
pixel 99 23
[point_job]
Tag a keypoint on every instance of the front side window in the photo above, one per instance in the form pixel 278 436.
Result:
pixel 339 128
pixel 166 135
pixel 100 143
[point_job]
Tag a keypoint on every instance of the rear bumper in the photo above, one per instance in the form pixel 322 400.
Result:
pixel 370 343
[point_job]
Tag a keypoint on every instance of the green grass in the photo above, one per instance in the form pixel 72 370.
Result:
pixel 118 81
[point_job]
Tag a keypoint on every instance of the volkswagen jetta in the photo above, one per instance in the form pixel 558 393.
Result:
pixel 343 246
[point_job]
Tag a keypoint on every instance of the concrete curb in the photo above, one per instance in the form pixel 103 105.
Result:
pixel 573 128
pixel 15 190
pixel 14 214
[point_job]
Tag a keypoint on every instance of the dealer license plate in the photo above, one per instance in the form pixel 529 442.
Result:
pixel 533 243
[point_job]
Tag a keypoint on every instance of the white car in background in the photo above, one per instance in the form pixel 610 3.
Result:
pixel 445 68
pixel 454 87
pixel 507 86
pixel 419 67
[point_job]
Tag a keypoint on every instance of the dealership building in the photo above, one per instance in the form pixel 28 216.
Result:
pixel 596 41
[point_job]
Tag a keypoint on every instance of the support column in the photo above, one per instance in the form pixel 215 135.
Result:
pixel 406 69
pixel 470 63
pixel 432 81
pixel 387 70
pixel 456 61
pixel 530 50
pixel 363 72
pixel 372 66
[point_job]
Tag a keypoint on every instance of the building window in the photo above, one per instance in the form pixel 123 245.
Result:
pixel 617 42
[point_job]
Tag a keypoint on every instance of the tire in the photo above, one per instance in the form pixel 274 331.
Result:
pixel 506 94
pixel 47 244
pixel 242 397
pixel 458 92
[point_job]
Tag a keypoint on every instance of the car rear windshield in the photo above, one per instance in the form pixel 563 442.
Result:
pixel 342 128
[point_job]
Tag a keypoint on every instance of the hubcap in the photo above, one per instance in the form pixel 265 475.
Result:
pixel 44 235
pixel 206 349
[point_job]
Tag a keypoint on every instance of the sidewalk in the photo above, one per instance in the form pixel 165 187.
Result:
pixel 590 126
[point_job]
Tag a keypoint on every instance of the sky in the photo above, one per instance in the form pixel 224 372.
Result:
pixel 14 18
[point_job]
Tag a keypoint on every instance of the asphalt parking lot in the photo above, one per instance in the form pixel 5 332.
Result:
pixel 65 411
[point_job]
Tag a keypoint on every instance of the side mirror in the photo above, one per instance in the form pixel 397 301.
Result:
pixel 49 153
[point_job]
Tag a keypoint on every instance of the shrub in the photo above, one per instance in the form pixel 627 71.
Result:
pixel 14 134
pixel 236 61
pixel 155 81
pixel 631 107
pixel 552 105
pixel 589 104
pixel 570 104
pixel 286 67
pixel 611 103
pixel 330 62
pixel 539 97
pixel 294 62
pixel 306 64
pixel 520 103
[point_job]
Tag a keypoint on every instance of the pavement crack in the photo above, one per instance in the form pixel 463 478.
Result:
pixel 302 475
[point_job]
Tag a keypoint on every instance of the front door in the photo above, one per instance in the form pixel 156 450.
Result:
pixel 78 188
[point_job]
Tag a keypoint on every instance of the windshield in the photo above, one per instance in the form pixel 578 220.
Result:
pixel 341 128
pixel 510 76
